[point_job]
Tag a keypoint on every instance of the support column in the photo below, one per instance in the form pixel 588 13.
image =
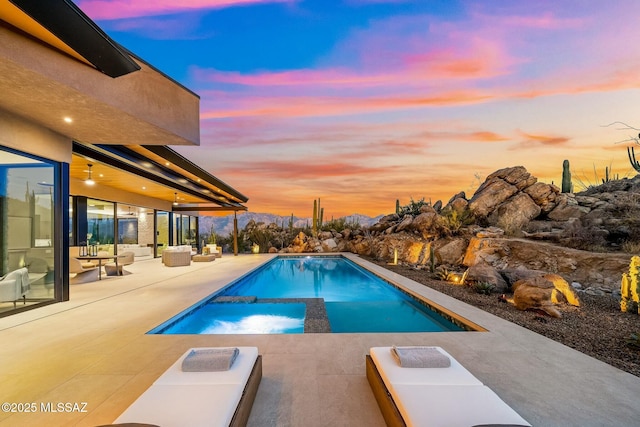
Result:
pixel 235 233
pixel 4 222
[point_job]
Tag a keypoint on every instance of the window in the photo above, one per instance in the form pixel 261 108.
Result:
pixel 27 237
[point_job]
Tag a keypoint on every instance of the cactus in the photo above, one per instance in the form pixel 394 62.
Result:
pixel 567 186
pixel 630 286
pixel 321 217
pixel 291 223
pixel 608 178
pixel 315 217
pixel 398 206
pixel 432 259
pixel 632 158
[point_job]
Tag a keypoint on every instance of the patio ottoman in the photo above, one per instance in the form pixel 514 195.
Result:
pixel 203 258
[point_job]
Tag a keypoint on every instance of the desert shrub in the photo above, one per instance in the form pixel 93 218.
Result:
pixel 628 209
pixel 340 225
pixel 631 247
pixel 483 287
pixel 413 208
pixel 584 237
pixel 226 242
pixel 633 341
pixel 443 273
pixel 453 220
pixel 263 238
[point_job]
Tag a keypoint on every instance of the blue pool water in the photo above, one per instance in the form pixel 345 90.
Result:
pixel 283 296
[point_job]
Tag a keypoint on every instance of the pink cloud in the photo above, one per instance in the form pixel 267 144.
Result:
pixel 310 107
pixel 120 9
pixel 333 77
pixel 181 26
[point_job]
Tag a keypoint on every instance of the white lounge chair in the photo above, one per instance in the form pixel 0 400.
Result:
pixel 14 286
pixel 438 397
pixel 221 398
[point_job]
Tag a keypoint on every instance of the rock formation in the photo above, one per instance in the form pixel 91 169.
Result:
pixel 513 229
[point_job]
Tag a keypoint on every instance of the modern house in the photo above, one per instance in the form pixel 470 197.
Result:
pixel 85 127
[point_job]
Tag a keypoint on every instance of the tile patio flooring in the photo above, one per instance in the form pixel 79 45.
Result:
pixel 93 349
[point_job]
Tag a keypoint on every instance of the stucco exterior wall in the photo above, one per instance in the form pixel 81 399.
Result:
pixel 20 134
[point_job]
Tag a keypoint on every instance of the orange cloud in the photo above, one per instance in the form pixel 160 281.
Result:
pixel 534 141
pixel 298 169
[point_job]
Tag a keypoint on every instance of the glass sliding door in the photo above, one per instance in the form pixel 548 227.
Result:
pixel 27 234
pixel 162 231
pixel 135 230
pixel 101 225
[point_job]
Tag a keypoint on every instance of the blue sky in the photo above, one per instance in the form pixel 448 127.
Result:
pixel 362 102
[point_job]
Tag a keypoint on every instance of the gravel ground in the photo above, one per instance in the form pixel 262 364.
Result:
pixel 597 328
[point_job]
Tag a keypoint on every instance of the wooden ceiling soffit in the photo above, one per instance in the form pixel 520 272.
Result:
pixel 162 154
pixel 122 158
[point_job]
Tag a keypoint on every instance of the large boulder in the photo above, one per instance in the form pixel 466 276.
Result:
pixel 567 207
pixel 329 245
pixel 452 253
pixel 603 269
pixel 489 196
pixel 515 212
pixel 498 187
pixel 410 248
pixel 543 195
pixel 427 224
pixel 404 224
pixel 484 273
pixel 543 293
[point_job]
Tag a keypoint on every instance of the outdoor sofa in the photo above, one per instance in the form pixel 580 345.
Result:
pixel 175 256
pixel 206 398
pixel 431 396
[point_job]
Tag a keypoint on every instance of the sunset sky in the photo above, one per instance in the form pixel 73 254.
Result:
pixel 362 102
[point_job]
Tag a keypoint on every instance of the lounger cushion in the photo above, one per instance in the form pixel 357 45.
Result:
pixel 193 399
pixel 393 374
pixel 452 405
pixel 185 405
pixel 238 374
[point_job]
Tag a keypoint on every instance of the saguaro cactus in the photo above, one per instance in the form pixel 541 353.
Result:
pixel 630 286
pixel 398 206
pixel 567 187
pixel 314 224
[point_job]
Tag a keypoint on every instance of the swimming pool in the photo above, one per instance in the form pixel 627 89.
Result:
pixel 306 294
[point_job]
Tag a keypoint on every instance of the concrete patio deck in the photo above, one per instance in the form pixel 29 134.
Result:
pixel 93 349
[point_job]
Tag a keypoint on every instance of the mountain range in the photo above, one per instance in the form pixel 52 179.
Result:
pixel 223 225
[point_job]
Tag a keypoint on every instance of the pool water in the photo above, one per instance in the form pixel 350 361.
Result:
pixel 229 318
pixel 296 294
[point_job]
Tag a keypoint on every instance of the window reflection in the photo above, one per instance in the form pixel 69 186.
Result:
pixel 100 225
pixel 27 191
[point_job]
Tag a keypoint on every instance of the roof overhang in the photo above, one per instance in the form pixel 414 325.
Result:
pixel 61 24
pixel 198 190
pixel 49 70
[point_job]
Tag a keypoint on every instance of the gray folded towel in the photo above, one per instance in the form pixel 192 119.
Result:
pixel 210 359
pixel 420 357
